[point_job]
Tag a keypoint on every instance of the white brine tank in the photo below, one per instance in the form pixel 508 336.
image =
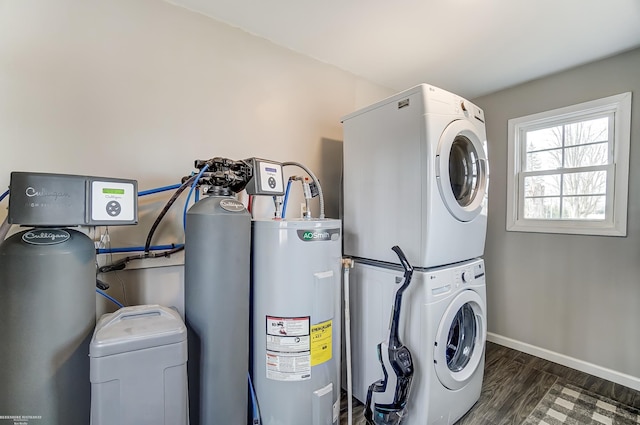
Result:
pixel 297 320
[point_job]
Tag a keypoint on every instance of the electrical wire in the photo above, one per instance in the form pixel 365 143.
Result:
pixel 124 291
pixel 4 195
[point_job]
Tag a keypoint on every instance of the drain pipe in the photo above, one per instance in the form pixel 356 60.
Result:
pixel 347 265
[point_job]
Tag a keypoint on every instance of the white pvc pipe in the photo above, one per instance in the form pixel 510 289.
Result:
pixel 347 264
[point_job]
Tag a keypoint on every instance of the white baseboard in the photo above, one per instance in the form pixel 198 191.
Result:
pixel 590 368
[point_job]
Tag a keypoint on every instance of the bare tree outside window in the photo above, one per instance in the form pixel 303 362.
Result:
pixel 566 171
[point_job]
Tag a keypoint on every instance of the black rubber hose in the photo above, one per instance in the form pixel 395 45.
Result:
pixel 164 211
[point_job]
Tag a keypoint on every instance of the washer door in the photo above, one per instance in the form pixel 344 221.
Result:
pixel 460 340
pixel 461 170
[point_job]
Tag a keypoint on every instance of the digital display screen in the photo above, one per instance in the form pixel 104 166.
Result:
pixel 107 191
pixel 271 170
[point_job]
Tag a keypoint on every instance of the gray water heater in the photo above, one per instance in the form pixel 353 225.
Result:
pixel 47 316
pixel 216 285
pixel 296 323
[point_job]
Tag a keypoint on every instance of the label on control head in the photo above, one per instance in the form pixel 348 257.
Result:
pixel 270 177
pixel 112 201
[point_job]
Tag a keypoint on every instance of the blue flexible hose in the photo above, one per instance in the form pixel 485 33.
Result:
pixel 4 195
pixel 157 190
pixel 193 186
pixel 137 249
pixel 254 403
pixel 286 198
pixel 110 298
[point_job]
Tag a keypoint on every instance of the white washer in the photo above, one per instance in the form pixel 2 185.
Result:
pixel 442 322
pixel 416 175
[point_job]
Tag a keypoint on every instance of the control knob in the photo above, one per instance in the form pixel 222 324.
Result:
pixel 467 277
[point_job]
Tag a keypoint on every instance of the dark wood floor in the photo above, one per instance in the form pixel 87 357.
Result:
pixel 514 383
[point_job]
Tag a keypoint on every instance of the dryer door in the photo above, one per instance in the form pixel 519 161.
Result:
pixel 459 343
pixel 461 170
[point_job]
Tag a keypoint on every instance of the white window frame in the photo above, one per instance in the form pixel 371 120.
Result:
pixel 615 222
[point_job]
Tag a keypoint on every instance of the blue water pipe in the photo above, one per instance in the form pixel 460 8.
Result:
pixel 286 198
pixel 193 186
pixel 158 190
pixel 137 249
pixel 110 298
pixel 254 403
pixel 4 195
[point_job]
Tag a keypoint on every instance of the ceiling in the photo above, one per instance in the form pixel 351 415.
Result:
pixel 469 47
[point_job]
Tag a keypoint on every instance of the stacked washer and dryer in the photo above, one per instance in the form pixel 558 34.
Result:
pixel 416 176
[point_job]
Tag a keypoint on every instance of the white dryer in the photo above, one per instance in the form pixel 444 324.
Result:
pixel 442 322
pixel 416 175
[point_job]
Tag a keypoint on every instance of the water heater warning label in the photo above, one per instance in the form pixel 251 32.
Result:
pixel 288 354
pixel 321 337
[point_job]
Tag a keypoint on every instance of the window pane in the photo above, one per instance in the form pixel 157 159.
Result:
pixel 545 160
pixel 584 207
pixel 542 186
pixel 586 156
pixel 591 131
pixel 588 183
pixel 542 208
pixel 547 138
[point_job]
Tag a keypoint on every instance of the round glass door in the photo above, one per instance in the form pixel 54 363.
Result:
pixel 459 344
pixel 461 170
pixel 461 339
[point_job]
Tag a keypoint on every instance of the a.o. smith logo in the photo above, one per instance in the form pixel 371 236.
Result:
pixel 319 235
pixel 46 236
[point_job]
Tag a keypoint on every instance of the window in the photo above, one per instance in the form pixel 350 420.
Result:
pixel 568 169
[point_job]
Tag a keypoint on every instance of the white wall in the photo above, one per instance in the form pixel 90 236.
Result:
pixel 575 299
pixel 139 89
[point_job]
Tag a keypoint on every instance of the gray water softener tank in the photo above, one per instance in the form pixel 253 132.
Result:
pixel 47 316
pixel 216 285
pixel 297 320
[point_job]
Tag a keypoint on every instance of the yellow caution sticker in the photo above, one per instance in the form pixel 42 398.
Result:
pixel 321 338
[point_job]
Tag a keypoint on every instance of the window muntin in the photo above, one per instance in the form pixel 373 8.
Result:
pixel 569 169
